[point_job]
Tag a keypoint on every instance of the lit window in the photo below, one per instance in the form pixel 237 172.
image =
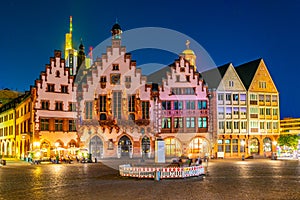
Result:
pixel 72 125
pixel 44 124
pixel 59 125
pixel 102 103
pixel 166 123
pixel 145 109
pixel 178 122
pixel 190 122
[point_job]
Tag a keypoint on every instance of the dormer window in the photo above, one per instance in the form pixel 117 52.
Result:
pixel 115 67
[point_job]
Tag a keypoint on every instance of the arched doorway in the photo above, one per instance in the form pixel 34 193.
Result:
pixel 173 147
pixel 124 146
pixel 199 147
pixel 96 147
pixel 145 147
pixel 254 146
pixel 267 144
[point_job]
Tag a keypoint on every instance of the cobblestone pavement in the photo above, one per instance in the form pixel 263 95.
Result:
pixel 227 179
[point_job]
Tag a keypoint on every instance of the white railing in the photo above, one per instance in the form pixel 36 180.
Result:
pixel 165 172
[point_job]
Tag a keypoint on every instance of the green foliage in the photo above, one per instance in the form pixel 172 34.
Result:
pixel 288 140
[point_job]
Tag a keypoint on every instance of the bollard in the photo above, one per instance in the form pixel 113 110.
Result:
pixel 243 157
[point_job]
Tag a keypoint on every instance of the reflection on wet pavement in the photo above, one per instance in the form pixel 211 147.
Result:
pixel 227 179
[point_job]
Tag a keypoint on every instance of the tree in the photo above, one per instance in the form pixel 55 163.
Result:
pixel 288 140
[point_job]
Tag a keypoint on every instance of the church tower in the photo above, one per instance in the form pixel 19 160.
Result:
pixel 81 57
pixel 189 55
pixel 116 32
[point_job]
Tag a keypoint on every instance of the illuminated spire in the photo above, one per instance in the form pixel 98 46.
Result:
pixel 68 42
pixel 71 26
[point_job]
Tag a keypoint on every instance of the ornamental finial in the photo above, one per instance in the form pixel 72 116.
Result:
pixel 187 44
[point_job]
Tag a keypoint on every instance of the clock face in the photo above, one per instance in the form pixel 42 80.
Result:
pixel 115 79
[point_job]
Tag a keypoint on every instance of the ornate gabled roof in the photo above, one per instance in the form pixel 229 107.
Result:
pixel 247 71
pixel 214 76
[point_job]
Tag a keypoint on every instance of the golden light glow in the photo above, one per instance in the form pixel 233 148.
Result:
pixel 36 144
pixel 56 144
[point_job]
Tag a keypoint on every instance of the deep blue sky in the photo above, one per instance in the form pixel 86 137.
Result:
pixel 230 31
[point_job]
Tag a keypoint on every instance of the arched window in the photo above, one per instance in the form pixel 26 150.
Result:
pixel 145 145
pixel 267 144
pixel 125 145
pixel 96 147
pixel 173 147
pixel 254 146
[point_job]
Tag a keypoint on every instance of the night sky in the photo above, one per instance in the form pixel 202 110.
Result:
pixel 230 31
